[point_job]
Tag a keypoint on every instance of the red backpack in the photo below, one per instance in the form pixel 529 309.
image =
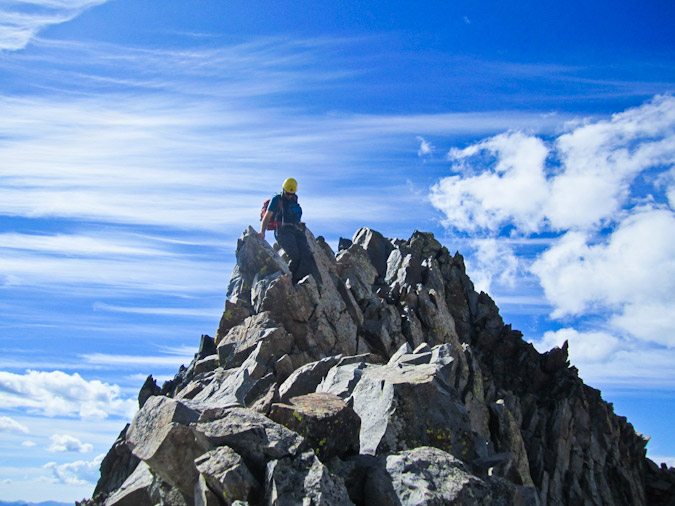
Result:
pixel 271 225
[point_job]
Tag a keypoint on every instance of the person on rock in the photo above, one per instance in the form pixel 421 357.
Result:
pixel 285 214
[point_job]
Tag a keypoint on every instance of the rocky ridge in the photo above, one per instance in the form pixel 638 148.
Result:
pixel 387 381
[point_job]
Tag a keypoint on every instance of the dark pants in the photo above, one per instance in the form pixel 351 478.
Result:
pixel 294 243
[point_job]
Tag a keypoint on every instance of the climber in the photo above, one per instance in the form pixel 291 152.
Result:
pixel 282 214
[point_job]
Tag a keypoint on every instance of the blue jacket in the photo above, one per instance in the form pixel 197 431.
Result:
pixel 290 211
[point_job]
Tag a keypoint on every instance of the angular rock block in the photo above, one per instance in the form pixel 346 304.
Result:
pixel 403 407
pixel 303 480
pixel 135 491
pixel 160 436
pixel 251 434
pixel 423 476
pixel 305 379
pixel 324 420
pixel 255 330
pixel 226 475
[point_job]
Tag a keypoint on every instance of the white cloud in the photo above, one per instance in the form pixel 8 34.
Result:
pixel 29 444
pixel 67 443
pixel 426 148
pixel 8 424
pixel 493 260
pixel 612 256
pixel 580 181
pixel 513 190
pixel 76 473
pixel 116 360
pixel 584 347
pixel 60 394
pixel 163 311
pixel 631 274
pixel 610 361
pixel 70 244
pixel 21 20
pixel 602 159
pixel 189 273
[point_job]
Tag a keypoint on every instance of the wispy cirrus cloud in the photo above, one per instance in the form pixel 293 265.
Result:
pixel 114 361
pixel 22 20
pixel 8 424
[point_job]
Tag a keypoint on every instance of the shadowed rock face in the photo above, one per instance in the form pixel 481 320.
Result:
pixel 384 380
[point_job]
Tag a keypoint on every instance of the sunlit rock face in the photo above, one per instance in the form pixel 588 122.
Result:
pixel 382 379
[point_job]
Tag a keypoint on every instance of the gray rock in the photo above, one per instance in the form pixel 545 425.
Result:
pixel 343 378
pixel 404 406
pixel 148 389
pixel 241 340
pixel 252 435
pixel 283 301
pixel 319 417
pixel 303 480
pixel 206 364
pixel 204 496
pixel 357 271
pixel 160 436
pixel 377 247
pixel 165 494
pixel 426 362
pixel 305 379
pixel 243 385
pixel 283 368
pixel 424 476
pixel 510 439
pixel 255 257
pixel 135 491
pixel 226 474
pixel 117 465
pixel 233 315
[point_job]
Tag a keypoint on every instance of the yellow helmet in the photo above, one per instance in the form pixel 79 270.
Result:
pixel 290 185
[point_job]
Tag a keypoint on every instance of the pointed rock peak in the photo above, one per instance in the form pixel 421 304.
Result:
pixel 384 349
pixel 255 259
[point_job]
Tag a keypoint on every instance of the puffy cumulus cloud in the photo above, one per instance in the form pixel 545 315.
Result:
pixel 76 473
pixel 59 394
pixel 511 189
pixel 600 161
pixel 67 443
pixel 606 360
pixel 580 180
pixel 631 274
pixel 667 181
pixel 603 193
pixel 21 20
pixel 584 347
pixel 8 424
pixel 492 261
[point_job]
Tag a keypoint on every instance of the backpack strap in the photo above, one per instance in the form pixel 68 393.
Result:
pixel 283 207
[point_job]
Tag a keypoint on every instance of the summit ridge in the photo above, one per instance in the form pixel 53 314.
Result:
pixel 384 380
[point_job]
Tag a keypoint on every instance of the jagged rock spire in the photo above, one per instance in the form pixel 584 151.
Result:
pixel 385 379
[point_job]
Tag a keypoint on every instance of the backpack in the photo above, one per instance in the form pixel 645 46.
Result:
pixel 272 224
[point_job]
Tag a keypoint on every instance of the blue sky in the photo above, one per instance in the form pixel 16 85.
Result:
pixel 139 139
